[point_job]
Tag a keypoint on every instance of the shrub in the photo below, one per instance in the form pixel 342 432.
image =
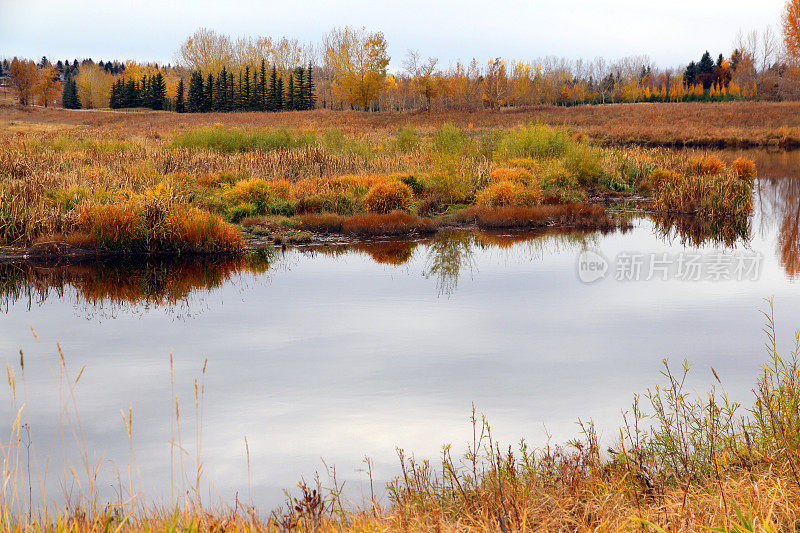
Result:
pixel 744 168
pixel 241 211
pixel 195 230
pixel 253 191
pixel 537 141
pixel 499 194
pixel 406 139
pixel 387 196
pixel 506 193
pixel 451 140
pixel 414 184
pixel 584 163
pixel 706 164
pixel 516 174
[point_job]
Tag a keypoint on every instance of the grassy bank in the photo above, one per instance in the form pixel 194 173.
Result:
pixel 681 461
pixel 193 190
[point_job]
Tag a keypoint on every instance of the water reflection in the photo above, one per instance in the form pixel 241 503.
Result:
pixel 698 232
pixel 780 207
pixel 159 282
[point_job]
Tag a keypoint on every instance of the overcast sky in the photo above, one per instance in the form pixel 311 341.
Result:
pixel 670 33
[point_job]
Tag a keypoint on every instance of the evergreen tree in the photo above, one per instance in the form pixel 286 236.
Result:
pixel 690 76
pixel 705 70
pixel 220 91
pixel 289 101
pixel 159 91
pixel 230 100
pixel 300 101
pixel 272 98
pixel 279 95
pixel 69 98
pixel 311 98
pixel 246 89
pixel 180 106
pixel 262 87
pixel 208 97
pixel 113 100
pixel 196 93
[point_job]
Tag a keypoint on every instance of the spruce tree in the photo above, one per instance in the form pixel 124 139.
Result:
pixel 262 87
pixel 159 91
pixel 180 105
pixel 311 98
pixel 290 93
pixel 231 97
pixel 196 93
pixel 69 98
pixel 246 89
pixel 279 105
pixel 272 98
pixel 208 97
pixel 297 89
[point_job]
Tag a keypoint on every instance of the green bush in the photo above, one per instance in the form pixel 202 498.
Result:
pixel 406 139
pixel 539 141
pixel 236 213
pixel 238 140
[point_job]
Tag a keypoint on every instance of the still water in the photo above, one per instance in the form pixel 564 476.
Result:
pixel 339 353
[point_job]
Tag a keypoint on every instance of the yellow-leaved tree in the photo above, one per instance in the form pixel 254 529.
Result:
pixel 49 86
pixel 357 61
pixel 791 30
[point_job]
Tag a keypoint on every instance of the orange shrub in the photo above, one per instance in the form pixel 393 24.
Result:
pixel 387 196
pixel 195 230
pixel 110 225
pixel 515 174
pixel 500 193
pixel 706 164
pixel 744 168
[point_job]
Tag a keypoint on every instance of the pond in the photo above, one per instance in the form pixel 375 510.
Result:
pixel 315 357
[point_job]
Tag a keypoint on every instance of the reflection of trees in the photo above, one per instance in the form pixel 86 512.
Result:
pixel 162 282
pixel 699 231
pixel 449 254
pixel 780 204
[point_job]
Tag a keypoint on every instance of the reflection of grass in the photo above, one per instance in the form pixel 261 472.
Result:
pixel 160 282
pixel 700 231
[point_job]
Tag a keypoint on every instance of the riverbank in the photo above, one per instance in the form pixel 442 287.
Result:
pixel 214 188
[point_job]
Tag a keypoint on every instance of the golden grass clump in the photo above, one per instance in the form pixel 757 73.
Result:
pixel 387 196
pixel 505 193
pixel 514 174
pixel 744 168
pixel 724 194
pixel 705 164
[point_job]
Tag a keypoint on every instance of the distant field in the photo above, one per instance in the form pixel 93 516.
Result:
pixel 697 124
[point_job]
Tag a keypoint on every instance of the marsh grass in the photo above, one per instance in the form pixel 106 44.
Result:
pixel 106 184
pixel 239 140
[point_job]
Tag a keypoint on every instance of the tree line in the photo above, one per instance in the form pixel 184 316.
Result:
pixel 261 90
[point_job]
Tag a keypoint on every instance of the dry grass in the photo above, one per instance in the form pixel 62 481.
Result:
pixel 574 215
pixel 128 186
pixel 675 124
